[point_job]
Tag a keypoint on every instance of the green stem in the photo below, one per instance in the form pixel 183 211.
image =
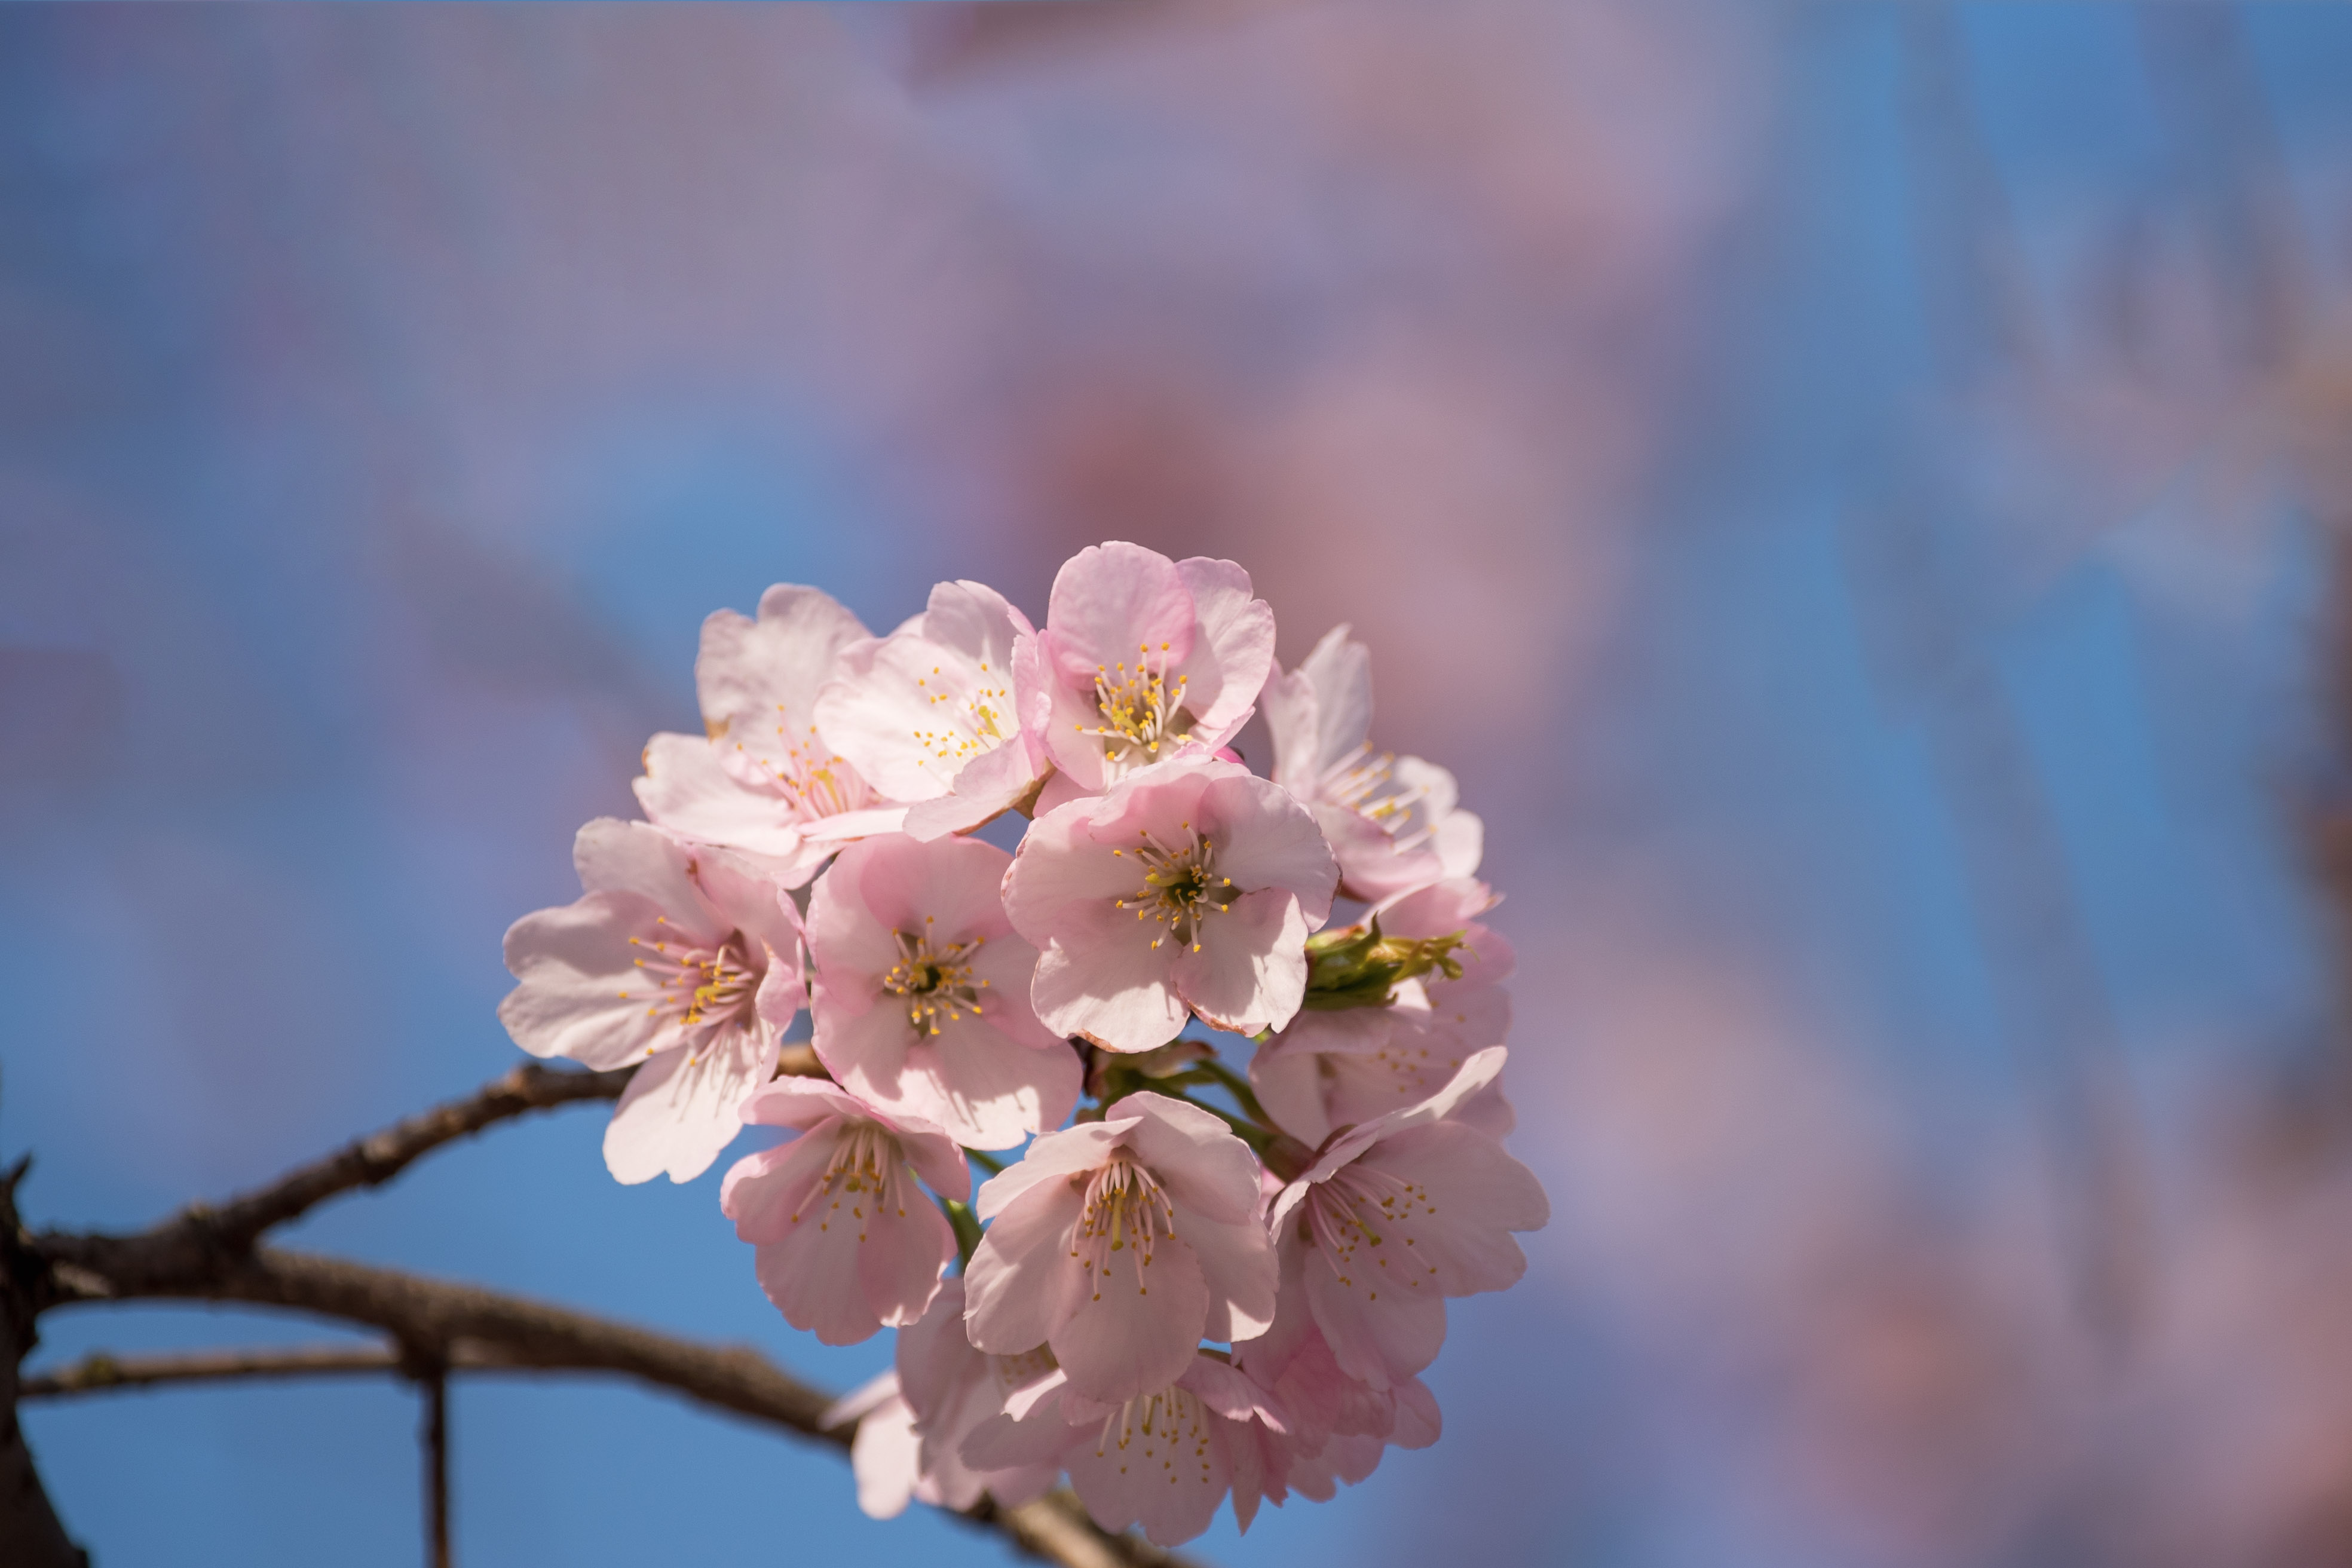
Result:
pixel 966 1230
pixel 986 1162
pixel 1238 1087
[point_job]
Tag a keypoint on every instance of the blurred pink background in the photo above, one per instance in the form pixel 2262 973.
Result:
pixel 1852 490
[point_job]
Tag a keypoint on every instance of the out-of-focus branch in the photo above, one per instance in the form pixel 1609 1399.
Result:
pixel 208 1253
pixel 103 1373
pixel 29 1526
pixel 470 1327
pixel 376 1159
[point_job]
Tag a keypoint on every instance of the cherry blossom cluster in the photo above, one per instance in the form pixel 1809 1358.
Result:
pixel 1193 1282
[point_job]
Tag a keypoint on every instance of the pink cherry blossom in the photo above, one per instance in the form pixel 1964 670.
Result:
pixel 1396 1216
pixel 1141 653
pixel 922 992
pixel 1190 888
pixel 933 714
pixel 763 782
pixel 885 1455
pixel 1333 1069
pixel 846 1241
pixel 1337 1426
pixel 1391 820
pixel 685 959
pixel 1163 1459
pixel 919 1414
pixel 1121 1244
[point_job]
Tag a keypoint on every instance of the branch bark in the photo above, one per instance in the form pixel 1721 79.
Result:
pixel 30 1527
pixel 209 1254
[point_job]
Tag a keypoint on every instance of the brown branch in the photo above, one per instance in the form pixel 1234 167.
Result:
pixel 29 1526
pixel 469 1326
pixel 371 1160
pixel 209 1254
pixel 432 1438
pixel 100 1373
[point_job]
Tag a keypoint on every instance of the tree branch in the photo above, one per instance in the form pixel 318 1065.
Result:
pixel 470 1326
pixel 29 1526
pixel 100 1373
pixel 209 1254
pixel 376 1159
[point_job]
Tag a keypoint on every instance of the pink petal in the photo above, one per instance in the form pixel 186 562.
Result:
pixel 1170 1479
pixel 1135 1326
pixel 1194 1155
pixel 801 1102
pixel 685 791
pixel 747 669
pixel 1020 1285
pixel 1246 969
pixel 763 1190
pixel 950 890
pixel 680 1110
pixel 988 1090
pixel 1265 839
pixel 1477 1195
pixel 1237 1262
pixel 1108 601
pixel 1379 1335
pixel 616 856
pixel 882 1455
pixel 581 994
pixel 1063 1153
pixel 907 1246
pixel 1234 639
pixel 1340 670
pixel 1101 979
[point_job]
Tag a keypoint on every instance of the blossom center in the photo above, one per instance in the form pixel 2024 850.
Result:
pixel 705 990
pixel 1365 782
pixel 971 721
pixel 935 979
pixel 1140 707
pixel 1124 1211
pixel 813 781
pixel 1159 1427
pixel 867 1174
pixel 1365 1221
pixel 1181 887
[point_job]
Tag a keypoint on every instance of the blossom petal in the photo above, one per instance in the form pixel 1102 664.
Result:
pixel 615 856
pixel 1246 969
pixel 882 1455
pixel 684 789
pixel 1379 1336
pixel 1137 1324
pixel 1234 640
pixel 680 1110
pixel 581 994
pixel 1017 1291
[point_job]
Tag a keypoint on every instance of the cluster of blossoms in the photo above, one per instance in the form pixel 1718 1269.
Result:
pixel 1191 1283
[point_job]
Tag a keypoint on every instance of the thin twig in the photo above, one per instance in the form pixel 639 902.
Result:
pixel 432 1438
pixel 103 1373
